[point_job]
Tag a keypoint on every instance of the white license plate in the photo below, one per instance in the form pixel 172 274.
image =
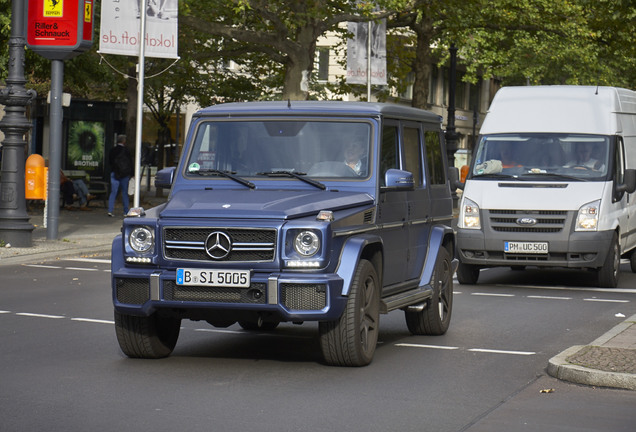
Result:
pixel 214 278
pixel 526 247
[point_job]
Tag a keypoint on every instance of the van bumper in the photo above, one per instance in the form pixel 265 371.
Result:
pixel 576 250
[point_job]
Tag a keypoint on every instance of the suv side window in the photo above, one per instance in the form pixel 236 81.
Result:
pixel 412 154
pixel 434 157
pixel 389 151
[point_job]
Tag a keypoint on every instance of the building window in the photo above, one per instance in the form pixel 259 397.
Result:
pixel 323 63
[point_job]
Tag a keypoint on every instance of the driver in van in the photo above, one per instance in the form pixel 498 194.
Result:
pixel 583 158
pixel 507 153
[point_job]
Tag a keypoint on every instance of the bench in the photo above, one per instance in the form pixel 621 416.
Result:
pixel 96 187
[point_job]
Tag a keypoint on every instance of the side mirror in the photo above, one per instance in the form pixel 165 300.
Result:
pixel 164 177
pixel 396 179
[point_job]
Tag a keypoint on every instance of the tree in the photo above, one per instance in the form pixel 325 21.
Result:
pixel 284 32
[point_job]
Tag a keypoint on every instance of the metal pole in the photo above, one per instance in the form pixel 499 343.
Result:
pixel 451 133
pixel 56 115
pixel 369 61
pixel 140 100
pixel 15 228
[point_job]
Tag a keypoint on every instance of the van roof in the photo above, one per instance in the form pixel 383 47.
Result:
pixel 561 109
pixel 335 108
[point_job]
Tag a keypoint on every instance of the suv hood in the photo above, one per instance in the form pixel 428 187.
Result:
pixel 261 204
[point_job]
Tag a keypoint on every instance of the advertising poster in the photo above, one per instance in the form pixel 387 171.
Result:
pixel 86 147
pixel 121 23
pixel 357 48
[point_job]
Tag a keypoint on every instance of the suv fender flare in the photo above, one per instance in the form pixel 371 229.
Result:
pixel 440 236
pixel 350 256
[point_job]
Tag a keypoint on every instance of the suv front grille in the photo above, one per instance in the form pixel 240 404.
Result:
pixel 255 294
pixel 548 221
pixel 247 244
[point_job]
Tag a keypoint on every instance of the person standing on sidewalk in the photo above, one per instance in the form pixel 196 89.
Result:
pixel 121 166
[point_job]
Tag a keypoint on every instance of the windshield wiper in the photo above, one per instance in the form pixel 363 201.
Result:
pixel 560 176
pixel 298 175
pixel 496 175
pixel 227 174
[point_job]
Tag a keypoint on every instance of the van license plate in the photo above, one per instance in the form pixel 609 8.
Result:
pixel 526 247
pixel 214 278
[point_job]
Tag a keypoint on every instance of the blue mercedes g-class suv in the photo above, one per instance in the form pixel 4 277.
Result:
pixel 333 212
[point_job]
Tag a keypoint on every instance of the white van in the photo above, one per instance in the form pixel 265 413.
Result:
pixel 550 183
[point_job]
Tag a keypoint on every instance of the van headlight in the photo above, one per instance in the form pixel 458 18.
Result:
pixel 587 218
pixel 141 239
pixel 469 215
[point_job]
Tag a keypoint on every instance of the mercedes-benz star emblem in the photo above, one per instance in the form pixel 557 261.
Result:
pixel 218 245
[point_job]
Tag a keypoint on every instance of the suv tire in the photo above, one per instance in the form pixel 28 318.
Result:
pixel 146 336
pixel 435 318
pixel 351 340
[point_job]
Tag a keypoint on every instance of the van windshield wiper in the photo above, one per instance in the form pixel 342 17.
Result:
pixel 559 176
pixel 497 176
pixel 228 174
pixel 298 175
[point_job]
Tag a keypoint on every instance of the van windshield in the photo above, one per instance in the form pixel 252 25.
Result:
pixel 277 148
pixel 578 156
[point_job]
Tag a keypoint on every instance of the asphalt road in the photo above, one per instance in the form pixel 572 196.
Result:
pixel 61 368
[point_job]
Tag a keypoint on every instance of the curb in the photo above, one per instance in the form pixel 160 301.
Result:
pixel 560 368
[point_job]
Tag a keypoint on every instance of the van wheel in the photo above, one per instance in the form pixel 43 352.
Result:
pixel 351 340
pixel 148 337
pixel 608 274
pixel 467 273
pixel 435 318
pixel 632 261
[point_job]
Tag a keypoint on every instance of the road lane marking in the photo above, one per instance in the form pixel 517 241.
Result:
pixel 4 312
pixel 39 315
pixel 90 260
pixel 81 268
pixel 492 294
pixel 442 347
pixel 493 351
pixel 43 266
pixel 98 321
pixel 549 297
pixel 605 300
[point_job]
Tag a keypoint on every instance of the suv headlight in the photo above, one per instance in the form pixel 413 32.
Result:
pixel 469 215
pixel 307 243
pixel 141 239
pixel 587 218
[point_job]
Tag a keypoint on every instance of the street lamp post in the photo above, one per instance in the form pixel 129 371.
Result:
pixel 14 220
pixel 451 133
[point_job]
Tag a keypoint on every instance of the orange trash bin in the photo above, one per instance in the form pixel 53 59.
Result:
pixel 35 178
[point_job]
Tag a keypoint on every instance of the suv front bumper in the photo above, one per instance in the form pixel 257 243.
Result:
pixel 286 295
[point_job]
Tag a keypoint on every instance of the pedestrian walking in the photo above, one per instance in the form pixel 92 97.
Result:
pixel 121 166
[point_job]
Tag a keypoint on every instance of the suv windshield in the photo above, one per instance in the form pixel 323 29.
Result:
pixel 269 148
pixel 571 156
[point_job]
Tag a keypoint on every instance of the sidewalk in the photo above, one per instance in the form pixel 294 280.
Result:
pixel 80 233
pixel 609 361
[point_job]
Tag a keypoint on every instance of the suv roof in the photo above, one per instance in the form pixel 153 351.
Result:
pixel 336 108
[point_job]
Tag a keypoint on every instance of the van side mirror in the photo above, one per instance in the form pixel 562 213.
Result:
pixel 396 179
pixel 629 182
pixel 165 177
pixel 454 179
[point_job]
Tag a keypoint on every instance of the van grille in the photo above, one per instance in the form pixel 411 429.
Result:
pixel 547 221
pixel 248 245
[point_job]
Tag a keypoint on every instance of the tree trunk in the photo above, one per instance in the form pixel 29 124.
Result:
pixel 300 64
pixel 423 63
